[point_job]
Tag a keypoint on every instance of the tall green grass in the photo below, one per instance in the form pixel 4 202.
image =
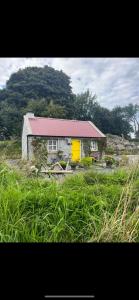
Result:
pixel 10 149
pixel 85 207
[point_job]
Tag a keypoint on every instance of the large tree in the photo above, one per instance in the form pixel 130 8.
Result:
pixel 120 123
pixel 132 114
pixel 42 108
pixel 84 106
pixel 113 121
pixel 46 82
pixel 45 91
pixel 102 118
pixel 11 120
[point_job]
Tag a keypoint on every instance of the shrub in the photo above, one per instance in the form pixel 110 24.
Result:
pixel 63 164
pixel 94 159
pixel 73 164
pixel 124 160
pixel 109 161
pixel 86 161
pixel 109 150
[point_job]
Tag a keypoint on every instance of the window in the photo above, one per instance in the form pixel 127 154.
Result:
pixel 94 146
pixel 52 145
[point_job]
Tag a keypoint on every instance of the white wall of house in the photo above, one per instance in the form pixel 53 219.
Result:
pixel 25 132
pixel 30 148
pixel 24 141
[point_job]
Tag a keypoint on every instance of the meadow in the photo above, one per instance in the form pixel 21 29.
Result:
pixel 86 207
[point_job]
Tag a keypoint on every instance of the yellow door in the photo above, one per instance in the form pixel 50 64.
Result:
pixel 75 150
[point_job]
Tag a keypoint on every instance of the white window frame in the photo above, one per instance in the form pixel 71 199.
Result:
pixel 94 146
pixel 52 145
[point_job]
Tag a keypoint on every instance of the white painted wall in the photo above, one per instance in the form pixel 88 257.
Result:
pixel 26 130
pixel 24 141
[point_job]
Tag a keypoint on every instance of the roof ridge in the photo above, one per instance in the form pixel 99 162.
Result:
pixel 93 125
pixel 59 119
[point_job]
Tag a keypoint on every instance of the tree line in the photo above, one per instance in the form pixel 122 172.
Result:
pixel 47 92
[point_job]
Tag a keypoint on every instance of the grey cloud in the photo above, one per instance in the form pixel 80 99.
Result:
pixel 114 80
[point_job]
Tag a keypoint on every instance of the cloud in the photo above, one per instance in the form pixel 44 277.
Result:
pixel 114 80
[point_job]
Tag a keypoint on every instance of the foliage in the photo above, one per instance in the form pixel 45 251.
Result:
pixel 86 161
pixel 132 114
pixel 115 121
pixel 44 108
pixel 47 92
pixel 74 164
pixel 40 152
pixel 10 149
pixel 102 119
pixel 87 207
pixel 120 123
pixel 10 120
pixel 109 150
pixel 84 106
pixel 34 83
pixel 63 164
pixel 117 177
pixel 123 160
pixel 109 160
pixel 87 147
pixel 93 159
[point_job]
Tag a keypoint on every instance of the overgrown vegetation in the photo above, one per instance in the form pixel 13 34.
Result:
pixel 86 162
pixel 10 149
pixel 63 164
pixel 109 160
pixel 85 207
pixel 40 152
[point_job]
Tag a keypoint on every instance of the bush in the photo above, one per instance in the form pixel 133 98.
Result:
pixel 73 164
pixel 63 164
pixel 109 161
pixel 124 160
pixel 86 161
pixel 94 159
pixel 109 150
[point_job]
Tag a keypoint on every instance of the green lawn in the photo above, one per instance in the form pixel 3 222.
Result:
pixel 85 207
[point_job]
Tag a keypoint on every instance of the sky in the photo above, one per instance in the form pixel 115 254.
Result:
pixel 115 81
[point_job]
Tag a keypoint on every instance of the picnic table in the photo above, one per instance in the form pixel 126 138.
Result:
pixel 57 169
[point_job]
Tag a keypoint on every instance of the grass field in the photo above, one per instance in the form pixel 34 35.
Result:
pixel 87 207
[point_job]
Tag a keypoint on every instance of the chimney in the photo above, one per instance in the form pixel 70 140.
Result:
pixel 30 115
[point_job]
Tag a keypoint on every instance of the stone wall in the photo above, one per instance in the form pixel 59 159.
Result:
pixel 120 144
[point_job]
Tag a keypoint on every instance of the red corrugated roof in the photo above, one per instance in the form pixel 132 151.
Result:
pixel 63 128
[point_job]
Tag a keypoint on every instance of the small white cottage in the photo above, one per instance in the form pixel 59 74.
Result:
pixel 64 139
